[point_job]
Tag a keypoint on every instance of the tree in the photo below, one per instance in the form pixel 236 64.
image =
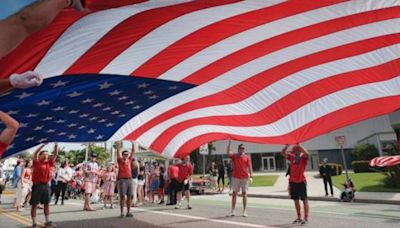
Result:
pixel 364 152
pixel 78 156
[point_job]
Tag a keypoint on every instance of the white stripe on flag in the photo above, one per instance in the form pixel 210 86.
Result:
pixel 259 65
pixel 266 31
pixel 298 118
pixel 86 32
pixel 141 51
pixel 280 89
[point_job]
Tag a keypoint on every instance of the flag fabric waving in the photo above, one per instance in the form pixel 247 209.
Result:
pixel 385 161
pixel 175 74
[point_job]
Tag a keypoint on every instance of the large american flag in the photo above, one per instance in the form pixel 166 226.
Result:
pixel 267 71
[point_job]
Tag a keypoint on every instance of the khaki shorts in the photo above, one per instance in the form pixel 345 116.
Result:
pixel 238 184
pixel 125 187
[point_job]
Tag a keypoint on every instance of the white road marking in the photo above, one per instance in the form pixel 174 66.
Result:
pixel 202 218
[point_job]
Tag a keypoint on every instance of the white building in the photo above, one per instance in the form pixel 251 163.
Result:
pixel 266 157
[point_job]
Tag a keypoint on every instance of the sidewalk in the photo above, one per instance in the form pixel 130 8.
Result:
pixel 316 191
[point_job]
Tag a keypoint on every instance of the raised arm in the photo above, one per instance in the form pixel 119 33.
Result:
pixel 8 134
pixel 132 149
pixel 284 150
pixel 55 153
pixel 36 153
pixel 119 146
pixel 228 149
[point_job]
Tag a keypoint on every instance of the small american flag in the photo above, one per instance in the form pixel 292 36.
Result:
pixel 266 71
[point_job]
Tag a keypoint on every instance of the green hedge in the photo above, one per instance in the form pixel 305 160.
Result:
pixel 361 167
pixel 337 169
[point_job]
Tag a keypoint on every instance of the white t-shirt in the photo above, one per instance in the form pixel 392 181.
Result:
pixel 64 174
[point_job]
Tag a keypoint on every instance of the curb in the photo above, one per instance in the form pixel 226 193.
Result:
pixel 318 198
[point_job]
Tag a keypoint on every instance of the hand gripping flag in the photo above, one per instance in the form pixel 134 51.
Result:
pixel 176 74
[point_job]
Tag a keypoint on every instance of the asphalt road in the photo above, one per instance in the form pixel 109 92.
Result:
pixel 210 211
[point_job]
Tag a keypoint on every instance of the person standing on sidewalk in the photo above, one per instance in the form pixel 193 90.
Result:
pixel 184 176
pixel 297 181
pixel 64 176
pixel 221 176
pixel 124 177
pixel 173 171
pixel 242 175
pixel 326 172
pixel 91 171
pixel 41 175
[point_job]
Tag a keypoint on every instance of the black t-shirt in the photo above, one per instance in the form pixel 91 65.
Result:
pixel 142 173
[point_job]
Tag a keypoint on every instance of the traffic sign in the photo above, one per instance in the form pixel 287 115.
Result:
pixel 204 149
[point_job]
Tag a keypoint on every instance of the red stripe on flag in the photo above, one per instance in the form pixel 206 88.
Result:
pixel 289 103
pixel 221 30
pixel 248 87
pixel 139 25
pixel 327 123
pixel 285 40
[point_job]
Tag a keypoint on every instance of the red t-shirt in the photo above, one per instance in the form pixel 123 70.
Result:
pixel 124 168
pixel 240 165
pixel 173 171
pixel 184 171
pixel 297 169
pixel 3 148
pixel 41 171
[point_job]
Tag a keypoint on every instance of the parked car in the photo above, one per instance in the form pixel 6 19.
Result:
pixel 198 185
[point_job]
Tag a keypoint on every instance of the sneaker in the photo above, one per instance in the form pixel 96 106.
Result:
pixel 189 207
pixel 297 221
pixel 244 214
pixel 178 206
pixel 231 214
pixel 129 215
pixel 303 222
pixel 121 216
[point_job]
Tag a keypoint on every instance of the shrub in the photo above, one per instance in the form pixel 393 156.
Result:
pixel 361 167
pixel 364 152
pixel 392 179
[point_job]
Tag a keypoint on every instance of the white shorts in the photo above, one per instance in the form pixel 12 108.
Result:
pixel 238 184
pixel 140 182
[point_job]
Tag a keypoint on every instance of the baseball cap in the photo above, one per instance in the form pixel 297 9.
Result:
pixel 93 155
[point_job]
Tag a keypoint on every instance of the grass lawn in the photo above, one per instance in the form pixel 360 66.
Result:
pixel 364 182
pixel 264 181
pixel 258 181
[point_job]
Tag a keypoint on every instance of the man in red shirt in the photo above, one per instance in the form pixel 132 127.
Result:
pixel 184 176
pixel 40 177
pixel 173 172
pixel 8 134
pixel 297 181
pixel 125 185
pixel 241 176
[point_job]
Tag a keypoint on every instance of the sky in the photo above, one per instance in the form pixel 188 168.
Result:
pixel 8 7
